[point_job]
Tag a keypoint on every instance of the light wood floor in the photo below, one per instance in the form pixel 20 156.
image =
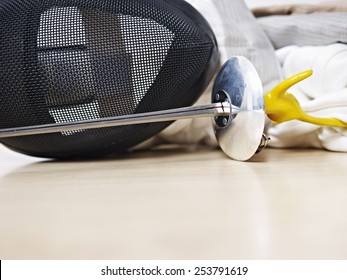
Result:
pixel 175 203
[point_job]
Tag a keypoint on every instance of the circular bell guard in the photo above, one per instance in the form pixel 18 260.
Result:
pixel 240 134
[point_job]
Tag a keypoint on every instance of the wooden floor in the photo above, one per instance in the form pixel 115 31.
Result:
pixel 175 203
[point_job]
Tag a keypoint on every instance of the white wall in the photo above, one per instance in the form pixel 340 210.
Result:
pixel 259 3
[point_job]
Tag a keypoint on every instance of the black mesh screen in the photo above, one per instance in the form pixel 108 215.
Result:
pixel 71 60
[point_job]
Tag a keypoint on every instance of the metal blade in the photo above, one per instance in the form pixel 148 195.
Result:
pixel 211 110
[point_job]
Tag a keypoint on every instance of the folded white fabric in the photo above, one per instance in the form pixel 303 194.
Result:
pixel 323 95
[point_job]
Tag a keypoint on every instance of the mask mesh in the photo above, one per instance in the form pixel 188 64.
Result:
pixel 69 60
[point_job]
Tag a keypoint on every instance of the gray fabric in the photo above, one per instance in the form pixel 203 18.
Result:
pixel 243 36
pixel 315 29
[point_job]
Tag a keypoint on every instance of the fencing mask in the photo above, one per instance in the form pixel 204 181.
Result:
pixel 73 60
